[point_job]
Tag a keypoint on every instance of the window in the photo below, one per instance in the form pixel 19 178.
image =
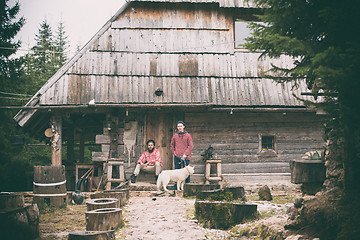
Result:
pixel 241 32
pixel 267 142
pixel 267 145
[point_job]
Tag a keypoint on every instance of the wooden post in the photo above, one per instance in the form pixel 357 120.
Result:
pixel 56 140
pixel 70 146
pixel 207 172
pixel 82 148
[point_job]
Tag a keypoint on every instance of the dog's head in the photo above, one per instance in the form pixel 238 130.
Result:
pixel 190 169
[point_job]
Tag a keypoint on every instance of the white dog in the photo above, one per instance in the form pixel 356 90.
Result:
pixel 178 175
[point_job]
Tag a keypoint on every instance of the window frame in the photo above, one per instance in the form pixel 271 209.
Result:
pixel 274 143
pixel 248 18
pixel 238 19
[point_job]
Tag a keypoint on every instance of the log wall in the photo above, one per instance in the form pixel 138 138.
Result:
pixel 235 139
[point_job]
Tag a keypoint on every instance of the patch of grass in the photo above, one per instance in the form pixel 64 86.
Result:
pixel 54 221
pixel 268 213
pixel 259 231
pixel 251 198
pixel 237 232
pixel 282 199
pixel 278 199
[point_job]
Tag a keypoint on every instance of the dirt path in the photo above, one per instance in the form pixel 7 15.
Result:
pixel 160 218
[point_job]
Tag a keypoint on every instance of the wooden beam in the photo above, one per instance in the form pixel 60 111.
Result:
pixel 82 148
pixel 56 140
pixel 70 145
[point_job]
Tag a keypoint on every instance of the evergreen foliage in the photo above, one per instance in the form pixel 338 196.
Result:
pixel 9 29
pixel 21 78
pixel 61 45
pixel 323 38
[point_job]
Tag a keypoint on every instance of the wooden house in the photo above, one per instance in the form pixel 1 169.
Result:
pixel 159 61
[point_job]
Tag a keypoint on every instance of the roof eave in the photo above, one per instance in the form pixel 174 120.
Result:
pixel 24 115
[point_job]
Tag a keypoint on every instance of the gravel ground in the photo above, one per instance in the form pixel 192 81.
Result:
pixel 171 217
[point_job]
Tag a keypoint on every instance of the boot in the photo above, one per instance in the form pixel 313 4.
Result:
pixel 133 178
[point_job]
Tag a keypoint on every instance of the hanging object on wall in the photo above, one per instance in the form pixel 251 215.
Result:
pixel 130 132
pixel 49 133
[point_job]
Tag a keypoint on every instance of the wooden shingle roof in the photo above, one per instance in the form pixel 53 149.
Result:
pixel 189 55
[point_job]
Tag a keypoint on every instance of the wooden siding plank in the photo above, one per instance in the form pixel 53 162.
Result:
pixel 65 93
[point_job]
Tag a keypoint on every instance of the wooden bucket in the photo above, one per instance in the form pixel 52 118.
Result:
pixel 49 186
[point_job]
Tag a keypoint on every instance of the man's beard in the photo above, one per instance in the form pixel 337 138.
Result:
pixel 150 151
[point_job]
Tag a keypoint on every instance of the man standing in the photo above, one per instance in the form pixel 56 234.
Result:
pixel 149 161
pixel 181 146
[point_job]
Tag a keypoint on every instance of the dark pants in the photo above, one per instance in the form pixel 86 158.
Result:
pixel 178 166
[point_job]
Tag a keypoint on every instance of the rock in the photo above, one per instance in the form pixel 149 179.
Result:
pixel 264 193
pixel 293 213
pixel 298 202
pixel 78 198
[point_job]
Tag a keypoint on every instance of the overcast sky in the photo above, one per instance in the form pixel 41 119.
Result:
pixel 82 18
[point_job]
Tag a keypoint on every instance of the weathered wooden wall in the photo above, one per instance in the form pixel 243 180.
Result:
pixel 235 139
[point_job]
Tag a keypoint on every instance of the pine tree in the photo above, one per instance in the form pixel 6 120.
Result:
pixel 61 45
pixel 43 57
pixel 14 166
pixel 8 30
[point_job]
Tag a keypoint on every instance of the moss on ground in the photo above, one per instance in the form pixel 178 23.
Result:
pixel 259 232
pixel 59 222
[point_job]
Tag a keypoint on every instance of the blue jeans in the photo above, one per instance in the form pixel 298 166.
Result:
pixel 178 166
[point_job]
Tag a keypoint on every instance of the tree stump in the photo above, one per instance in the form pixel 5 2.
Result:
pixel 226 194
pixel 20 223
pixel 50 186
pixel 92 235
pixel 307 171
pixel 121 196
pixel 11 201
pixel 125 190
pixel 99 203
pixel 103 219
pixel 191 189
pixel 310 173
pixel 222 215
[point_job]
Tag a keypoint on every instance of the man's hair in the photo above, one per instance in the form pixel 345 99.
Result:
pixel 180 122
pixel 147 143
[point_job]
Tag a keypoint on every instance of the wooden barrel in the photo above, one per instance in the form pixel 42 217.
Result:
pixel 49 186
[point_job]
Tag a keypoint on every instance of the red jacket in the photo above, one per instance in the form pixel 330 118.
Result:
pixel 182 143
pixel 151 158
